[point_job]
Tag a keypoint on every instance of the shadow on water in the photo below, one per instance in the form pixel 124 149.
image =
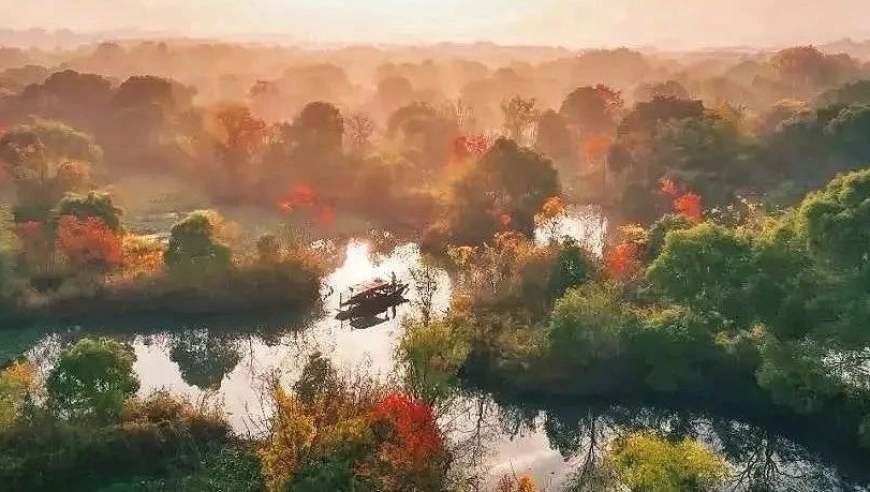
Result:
pixel 551 439
pixel 764 453
pixel 371 320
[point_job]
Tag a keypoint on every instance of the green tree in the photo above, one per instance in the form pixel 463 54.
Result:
pixel 193 244
pixel 667 89
pixel 589 324
pixel 319 126
pixel 8 249
pixel 796 376
pixel 328 474
pixel 432 355
pixel 92 380
pixel 834 221
pixel 848 133
pixel 507 188
pixel 92 205
pixel 142 91
pixel 648 463
pixel 659 230
pixel 846 95
pixel 424 135
pixel 706 267
pixel 707 154
pixel 573 267
pixel 805 68
pixel 674 345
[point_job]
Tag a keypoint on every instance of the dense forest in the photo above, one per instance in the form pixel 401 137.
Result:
pixel 197 181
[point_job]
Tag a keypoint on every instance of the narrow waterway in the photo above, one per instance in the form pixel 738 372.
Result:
pixel 231 359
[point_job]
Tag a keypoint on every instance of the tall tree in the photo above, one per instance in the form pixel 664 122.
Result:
pixel 509 184
pixel 47 160
pixel 519 118
pixel 592 109
pixel 239 139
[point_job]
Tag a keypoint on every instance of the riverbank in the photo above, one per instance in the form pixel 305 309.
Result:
pixel 750 434
pixel 255 290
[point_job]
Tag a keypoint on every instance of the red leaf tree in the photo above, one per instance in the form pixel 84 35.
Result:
pixel 413 449
pixel 89 243
pixel 622 261
pixel 303 197
pixel 689 205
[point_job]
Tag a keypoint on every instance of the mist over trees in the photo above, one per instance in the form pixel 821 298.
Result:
pixel 209 178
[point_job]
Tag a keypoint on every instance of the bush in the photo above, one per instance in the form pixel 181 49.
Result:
pixel 589 325
pixel 91 206
pixel 92 380
pixel 647 463
pixel 47 454
pixel 194 246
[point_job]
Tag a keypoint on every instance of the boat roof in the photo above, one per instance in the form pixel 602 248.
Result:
pixel 369 285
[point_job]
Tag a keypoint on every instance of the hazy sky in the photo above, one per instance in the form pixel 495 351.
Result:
pixel 567 22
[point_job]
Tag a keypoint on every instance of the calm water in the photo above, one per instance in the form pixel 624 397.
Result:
pixel 229 359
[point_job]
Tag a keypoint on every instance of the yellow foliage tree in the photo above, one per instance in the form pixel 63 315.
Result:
pixel 17 383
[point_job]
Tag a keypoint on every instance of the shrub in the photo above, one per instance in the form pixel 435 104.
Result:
pixel 194 246
pixel 89 243
pixel 648 463
pixel 91 206
pixel 92 380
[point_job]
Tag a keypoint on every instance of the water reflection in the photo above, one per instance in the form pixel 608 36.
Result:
pixel 558 444
pixel 204 358
pixel 759 459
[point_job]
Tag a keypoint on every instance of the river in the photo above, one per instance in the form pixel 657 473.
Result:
pixel 230 359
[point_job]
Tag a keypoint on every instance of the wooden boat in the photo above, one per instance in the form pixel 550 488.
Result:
pixel 371 308
pixel 372 298
pixel 372 291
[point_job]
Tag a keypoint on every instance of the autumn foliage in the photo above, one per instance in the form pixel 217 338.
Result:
pixel 689 205
pixel 415 436
pixel 465 150
pixel 595 147
pixel 303 197
pixel 89 243
pixel 389 441
pixel 622 261
pixel 523 483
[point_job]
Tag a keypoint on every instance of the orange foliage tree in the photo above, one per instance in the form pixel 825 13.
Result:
pixel 523 483
pixel 142 257
pixel 89 243
pixel 303 197
pixel 548 217
pixel 689 205
pixel 622 261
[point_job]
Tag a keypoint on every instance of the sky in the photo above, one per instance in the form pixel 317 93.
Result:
pixel 571 23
